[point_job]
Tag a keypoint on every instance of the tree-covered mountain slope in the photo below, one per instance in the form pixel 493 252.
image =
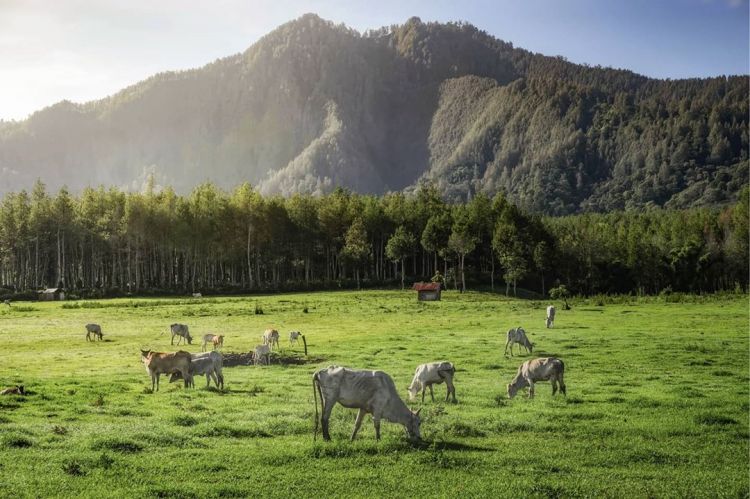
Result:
pixel 313 105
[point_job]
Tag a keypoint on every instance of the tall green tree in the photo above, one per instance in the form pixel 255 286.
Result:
pixel 400 246
pixel 356 249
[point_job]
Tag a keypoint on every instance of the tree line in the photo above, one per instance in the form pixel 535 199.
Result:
pixel 106 242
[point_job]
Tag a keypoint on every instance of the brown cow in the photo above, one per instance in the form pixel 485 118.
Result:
pixel 213 339
pixel 158 363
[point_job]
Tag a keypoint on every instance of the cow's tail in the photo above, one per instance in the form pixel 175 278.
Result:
pixel 316 392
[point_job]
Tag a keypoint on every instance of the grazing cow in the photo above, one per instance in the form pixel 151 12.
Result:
pixel 182 331
pixel 518 335
pixel 158 363
pixel 294 336
pixel 93 331
pixel 6 302
pixel 372 392
pixel 430 374
pixel 14 390
pixel 550 316
pixel 197 295
pixel 271 338
pixel 215 339
pixel 262 355
pixel 542 369
pixel 208 363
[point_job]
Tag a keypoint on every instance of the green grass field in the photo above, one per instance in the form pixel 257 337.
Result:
pixel 657 400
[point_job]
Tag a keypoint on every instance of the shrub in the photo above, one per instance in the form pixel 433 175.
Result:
pixel 73 468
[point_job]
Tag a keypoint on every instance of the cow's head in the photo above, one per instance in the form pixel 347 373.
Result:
pixel 189 339
pixel 412 427
pixel 21 390
pixel 531 347
pixel 145 354
pixel 413 390
pixel 512 390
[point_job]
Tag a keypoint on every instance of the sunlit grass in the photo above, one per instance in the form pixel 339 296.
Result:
pixel 657 400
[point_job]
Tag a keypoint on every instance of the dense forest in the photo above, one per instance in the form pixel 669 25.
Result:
pixel 111 242
pixel 313 105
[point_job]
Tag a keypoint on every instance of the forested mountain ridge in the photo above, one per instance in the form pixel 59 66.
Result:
pixel 313 105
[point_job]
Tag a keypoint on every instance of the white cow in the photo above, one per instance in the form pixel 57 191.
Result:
pixel 262 355
pixel 93 331
pixel 542 369
pixel 372 392
pixel 182 331
pixel 430 374
pixel 197 295
pixel 550 316
pixel 271 338
pixel 294 336
pixel 518 335
pixel 208 363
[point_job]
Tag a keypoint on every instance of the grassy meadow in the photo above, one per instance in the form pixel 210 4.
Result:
pixel 657 400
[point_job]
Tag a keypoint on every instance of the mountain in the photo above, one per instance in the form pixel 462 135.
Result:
pixel 313 105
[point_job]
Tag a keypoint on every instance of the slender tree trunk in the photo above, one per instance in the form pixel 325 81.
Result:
pixel 59 260
pixel 492 274
pixel 403 269
pixel 463 277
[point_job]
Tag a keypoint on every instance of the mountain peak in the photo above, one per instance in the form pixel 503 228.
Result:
pixel 314 105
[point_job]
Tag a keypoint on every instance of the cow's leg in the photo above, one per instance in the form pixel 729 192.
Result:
pixel 531 390
pixel 424 390
pixel 561 381
pixel 358 422
pixel 153 382
pixel 451 389
pixel 432 394
pixel 506 348
pixel 325 417
pixel 157 381
pixel 553 382
pixel 376 422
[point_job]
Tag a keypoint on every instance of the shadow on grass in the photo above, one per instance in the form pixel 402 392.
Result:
pixel 345 448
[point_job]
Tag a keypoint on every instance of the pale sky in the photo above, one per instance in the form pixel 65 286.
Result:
pixel 87 49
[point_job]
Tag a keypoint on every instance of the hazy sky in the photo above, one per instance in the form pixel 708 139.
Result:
pixel 85 49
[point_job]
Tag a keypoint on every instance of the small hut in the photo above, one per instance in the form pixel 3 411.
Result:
pixel 427 291
pixel 52 294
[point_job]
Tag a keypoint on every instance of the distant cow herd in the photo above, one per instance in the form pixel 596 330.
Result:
pixel 371 392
